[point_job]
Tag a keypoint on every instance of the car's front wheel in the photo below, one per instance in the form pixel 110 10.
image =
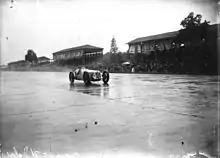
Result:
pixel 71 77
pixel 105 77
pixel 86 78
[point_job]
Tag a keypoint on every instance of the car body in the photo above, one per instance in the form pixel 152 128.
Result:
pixel 88 75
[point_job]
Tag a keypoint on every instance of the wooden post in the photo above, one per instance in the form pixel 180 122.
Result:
pixel 142 52
pixel 141 47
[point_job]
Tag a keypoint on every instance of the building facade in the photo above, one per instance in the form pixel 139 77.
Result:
pixel 17 64
pixel 43 59
pixel 165 41
pixel 147 44
pixel 83 53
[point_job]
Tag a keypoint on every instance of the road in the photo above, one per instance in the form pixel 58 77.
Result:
pixel 154 115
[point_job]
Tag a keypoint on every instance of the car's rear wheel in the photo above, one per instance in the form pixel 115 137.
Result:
pixel 71 77
pixel 86 78
pixel 105 77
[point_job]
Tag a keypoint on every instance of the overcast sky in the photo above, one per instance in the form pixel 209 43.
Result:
pixel 47 26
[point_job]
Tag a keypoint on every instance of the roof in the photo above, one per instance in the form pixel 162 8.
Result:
pixel 43 58
pixel 17 62
pixel 83 47
pixel 214 26
pixel 155 37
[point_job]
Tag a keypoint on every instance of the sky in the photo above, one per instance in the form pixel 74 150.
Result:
pixel 47 26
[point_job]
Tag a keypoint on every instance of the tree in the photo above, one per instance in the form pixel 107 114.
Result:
pixel 191 20
pixel 31 56
pixel 114 48
pixel 193 29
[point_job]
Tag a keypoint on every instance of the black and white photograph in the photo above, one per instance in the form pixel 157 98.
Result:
pixel 109 78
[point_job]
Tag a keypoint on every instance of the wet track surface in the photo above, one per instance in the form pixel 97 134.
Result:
pixel 156 114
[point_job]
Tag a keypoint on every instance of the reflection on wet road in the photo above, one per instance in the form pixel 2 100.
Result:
pixel 101 90
pixel 140 112
pixel 171 94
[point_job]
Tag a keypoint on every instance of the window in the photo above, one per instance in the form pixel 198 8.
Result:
pixel 138 48
pixel 147 46
pixel 144 48
pixel 131 49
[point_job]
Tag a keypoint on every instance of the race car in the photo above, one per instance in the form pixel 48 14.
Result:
pixel 88 75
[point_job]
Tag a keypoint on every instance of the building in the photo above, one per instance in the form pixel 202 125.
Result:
pixel 213 37
pixel 17 64
pixel 3 66
pixel 146 44
pixel 164 41
pixel 43 59
pixel 83 54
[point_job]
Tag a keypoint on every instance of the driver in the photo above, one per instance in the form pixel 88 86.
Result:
pixel 77 71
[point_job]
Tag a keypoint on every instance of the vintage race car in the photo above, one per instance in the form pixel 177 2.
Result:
pixel 88 75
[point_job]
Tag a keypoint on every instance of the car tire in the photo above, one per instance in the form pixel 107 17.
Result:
pixel 71 77
pixel 105 77
pixel 86 78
